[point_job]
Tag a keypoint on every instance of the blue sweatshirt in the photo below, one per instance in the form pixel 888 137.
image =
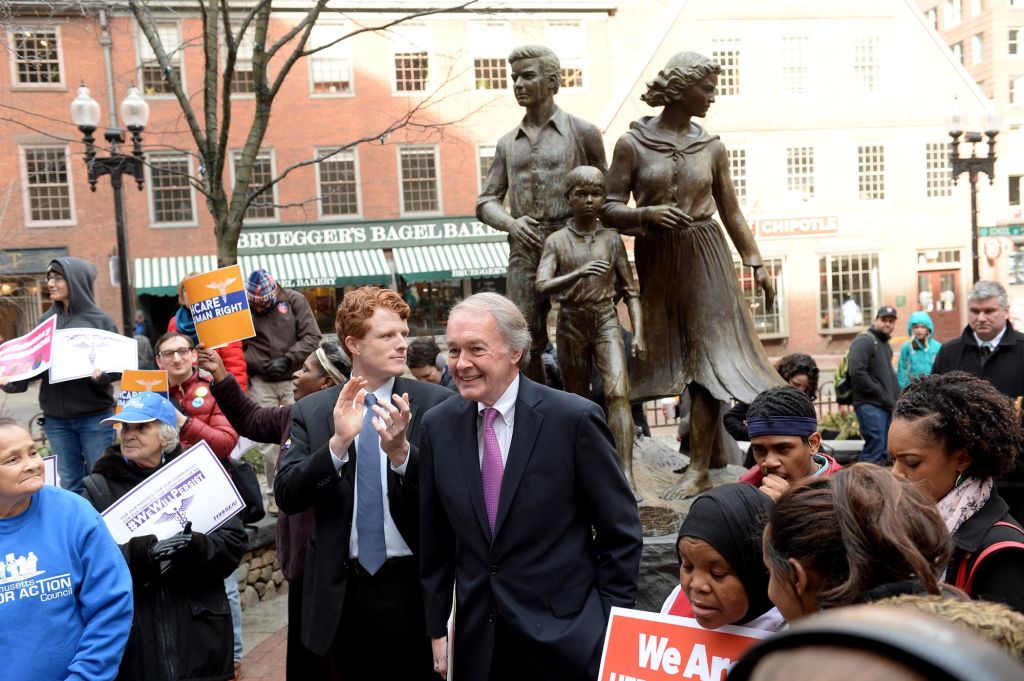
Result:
pixel 65 592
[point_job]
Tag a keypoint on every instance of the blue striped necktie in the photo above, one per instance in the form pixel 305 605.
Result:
pixel 370 504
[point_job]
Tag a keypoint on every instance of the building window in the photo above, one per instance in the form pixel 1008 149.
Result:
pixel 768 323
pixel 330 69
pixel 411 45
pixel 243 81
pixel 937 173
pixel 37 56
pixel 954 13
pixel 871 172
pixel 48 195
pixel 339 189
pixel 264 206
pixel 977 49
pixel 800 171
pixel 726 52
pixel 152 77
pixel 866 67
pixel 489 47
pixel 849 290
pixel 1017 90
pixel 1013 41
pixel 738 171
pixel 976 8
pixel 484 157
pixel 958 51
pixel 571 40
pixel 794 65
pixel 933 18
pixel 1014 190
pixel 418 165
pixel 170 191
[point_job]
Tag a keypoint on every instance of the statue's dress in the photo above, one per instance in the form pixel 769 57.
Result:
pixel 696 321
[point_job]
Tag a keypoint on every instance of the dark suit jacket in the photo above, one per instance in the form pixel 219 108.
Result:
pixel 567 539
pixel 306 478
pixel 1004 368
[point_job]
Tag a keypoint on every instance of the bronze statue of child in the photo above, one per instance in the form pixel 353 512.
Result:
pixel 584 265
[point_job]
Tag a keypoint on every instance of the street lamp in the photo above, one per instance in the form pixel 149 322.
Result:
pixel 85 113
pixel 972 165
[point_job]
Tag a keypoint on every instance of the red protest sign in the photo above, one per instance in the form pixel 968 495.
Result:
pixel 646 646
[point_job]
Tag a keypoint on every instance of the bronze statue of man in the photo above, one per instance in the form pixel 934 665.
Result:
pixel 585 267
pixel 530 164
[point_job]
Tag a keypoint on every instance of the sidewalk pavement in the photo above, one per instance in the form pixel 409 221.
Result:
pixel 265 634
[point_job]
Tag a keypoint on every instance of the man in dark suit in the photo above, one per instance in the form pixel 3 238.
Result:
pixel 525 481
pixel 352 461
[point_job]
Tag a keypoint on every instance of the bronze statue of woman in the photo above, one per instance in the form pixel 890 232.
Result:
pixel 699 329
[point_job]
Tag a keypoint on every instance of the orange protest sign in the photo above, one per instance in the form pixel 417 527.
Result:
pixel 645 646
pixel 219 307
pixel 135 381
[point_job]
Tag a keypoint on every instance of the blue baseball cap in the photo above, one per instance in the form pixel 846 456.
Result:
pixel 146 407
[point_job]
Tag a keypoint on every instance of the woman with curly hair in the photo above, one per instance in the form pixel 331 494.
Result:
pixel 693 309
pixel 854 537
pixel 955 434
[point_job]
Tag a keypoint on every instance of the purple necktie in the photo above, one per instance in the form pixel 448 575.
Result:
pixel 491 468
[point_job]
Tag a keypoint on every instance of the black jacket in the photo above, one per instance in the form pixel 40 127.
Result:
pixel 1004 368
pixel 182 625
pixel 82 396
pixel 870 369
pixel 1000 578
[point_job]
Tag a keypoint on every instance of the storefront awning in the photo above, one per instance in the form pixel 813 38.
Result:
pixel 160 276
pixel 452 261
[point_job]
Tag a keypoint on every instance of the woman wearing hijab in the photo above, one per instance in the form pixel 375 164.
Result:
pixel 722 578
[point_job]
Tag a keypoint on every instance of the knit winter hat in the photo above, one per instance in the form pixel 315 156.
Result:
pixel 261 289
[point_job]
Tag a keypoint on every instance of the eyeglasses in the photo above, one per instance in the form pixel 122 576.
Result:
pixel 180 352
pixel 54 277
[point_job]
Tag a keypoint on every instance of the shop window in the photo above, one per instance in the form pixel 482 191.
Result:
pixel 170 190
pixel 738 171
pixel 418 164
pixel 570 39
pixel 938 181
pixel 871 172
pixel 411 44
pixel 867 64
pixel 263 206
pixel 800 172
pixel 151 76
pixel 726 51
pixel 339 190
pixel 429 303
pixel 489 48
pixel 37 56
pixel 48 198
pixel 1013 182
pixel 243 81
pixel 330 69
pixel 849 291
pixel 769 324
pixel 795 65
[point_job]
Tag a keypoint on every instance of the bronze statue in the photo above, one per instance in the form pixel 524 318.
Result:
pixel 530 164
pixel 585 267
pixel 698 325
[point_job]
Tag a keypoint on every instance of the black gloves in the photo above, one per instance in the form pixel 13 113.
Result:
pixel 185 543
pixel 277 369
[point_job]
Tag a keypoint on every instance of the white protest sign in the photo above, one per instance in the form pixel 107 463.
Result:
pixel 77 352
pixel 194 488
pixel 50 470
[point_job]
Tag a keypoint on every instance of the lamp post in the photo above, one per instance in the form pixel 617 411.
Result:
pixel 972 165
pixel 85 113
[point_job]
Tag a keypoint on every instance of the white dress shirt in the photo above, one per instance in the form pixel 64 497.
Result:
pixel 393 541
pixel 506 406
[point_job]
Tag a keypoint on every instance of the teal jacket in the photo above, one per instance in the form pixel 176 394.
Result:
pixel 915 358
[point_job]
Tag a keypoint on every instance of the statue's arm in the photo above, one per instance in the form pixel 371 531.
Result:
pixel 627 289
pixel 488 205
pixel 593 147
pixel 728 205
pixel 616 213
pixel 547 283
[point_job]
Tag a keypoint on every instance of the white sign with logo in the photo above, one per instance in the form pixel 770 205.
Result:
pixel 194 488
pixel 77 352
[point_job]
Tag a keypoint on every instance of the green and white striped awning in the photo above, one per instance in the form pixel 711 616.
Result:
pixel 452 261
pixel 160 276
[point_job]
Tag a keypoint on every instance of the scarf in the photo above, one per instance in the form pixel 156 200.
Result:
pixel 731 518
pixel 183 320
pixel 963 501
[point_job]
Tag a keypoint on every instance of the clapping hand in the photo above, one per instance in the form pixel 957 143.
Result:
pixel 165 548
pixel 348 414
pixel 391 423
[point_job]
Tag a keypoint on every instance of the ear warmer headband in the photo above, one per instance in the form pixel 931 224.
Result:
pixel 329 367
pixel 800 426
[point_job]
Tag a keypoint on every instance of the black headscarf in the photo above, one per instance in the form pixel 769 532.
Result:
pixel 731 518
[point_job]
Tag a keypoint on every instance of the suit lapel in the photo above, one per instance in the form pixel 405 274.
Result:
pixel 464 431
pixel 525 429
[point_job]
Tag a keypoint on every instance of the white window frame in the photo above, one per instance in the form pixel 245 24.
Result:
pixel 403 43
pixel 932 16
pixel 866 175
pixel 18 85
pixel 795 64
pixel 249 31
pixel 1015 96
pixel 480 148
pixel 977 49
pixel 341 51
pixel 176 52
pixel 938 180
pixel 867 64
pixel 319 187
pixel 875 286
pixel 401 180
pixel 720 46
pixel 736 155
pixel 27 203
pixel 151 198
pixel 565 57
pixel 800 179
pixel 273 190
pixel 776 268
pixel 492 49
